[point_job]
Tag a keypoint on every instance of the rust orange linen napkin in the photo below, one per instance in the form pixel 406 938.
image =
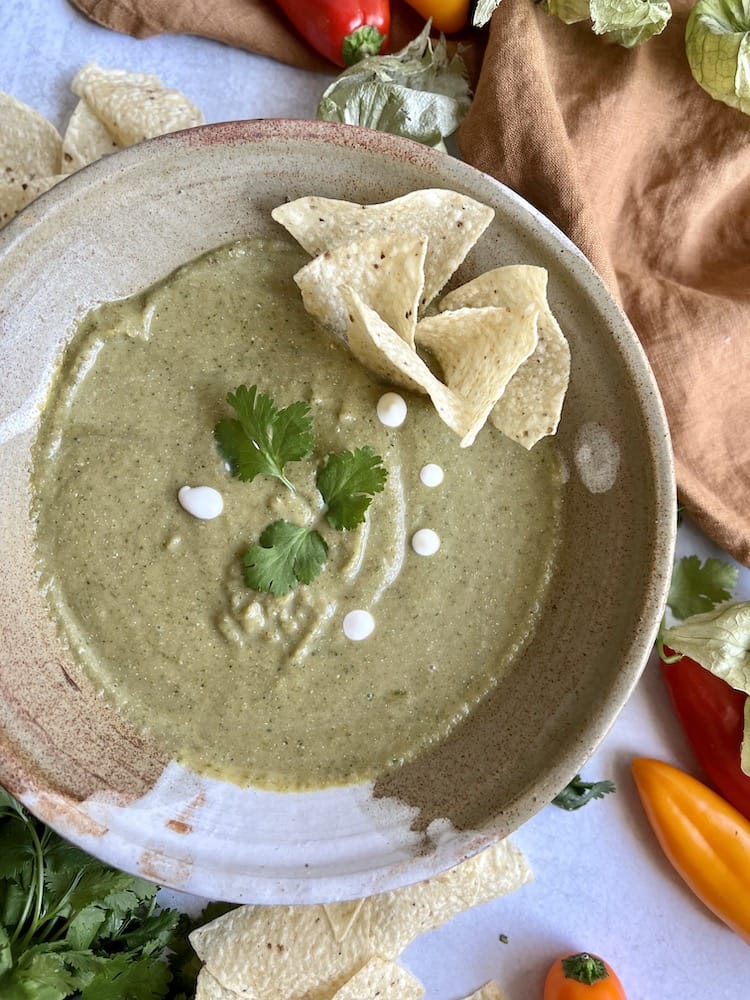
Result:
pixel 623 151
pixel 651 179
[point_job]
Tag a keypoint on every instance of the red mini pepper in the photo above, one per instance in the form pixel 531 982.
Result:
pixel 343 31
pixel 712 715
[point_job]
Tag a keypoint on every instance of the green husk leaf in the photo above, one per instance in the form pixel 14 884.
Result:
pixel 483 11
pixel 626 22
pixel 629 22
pixel 719 640
pixel 717 43
pixel 569 11
pixel 418 92
pixel 745 747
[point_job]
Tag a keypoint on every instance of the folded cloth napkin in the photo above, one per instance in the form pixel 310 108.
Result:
pixel 650 177
pixel 625 153
pixel 256 25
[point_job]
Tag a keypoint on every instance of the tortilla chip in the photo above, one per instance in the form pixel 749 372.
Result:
pixel 341 916
pixel 133 106
pixel 451 222
pixel 208 987
pixel 531 405
pixel 490 991
pixel 479 351
pixel 387 272
pixel 18 194
pixel 266 952
pixel 30 146
pixel 376 346
pixel 381 980
pixel 86 139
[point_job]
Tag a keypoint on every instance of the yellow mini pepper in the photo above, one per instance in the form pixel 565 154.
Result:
pixel 706 839
pixel 447 15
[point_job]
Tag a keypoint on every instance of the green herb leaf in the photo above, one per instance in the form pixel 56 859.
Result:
pixel 263 439
pixel 122 978
pixel 697 587
pixel 71 925
pixel 418 92
pixel 347 482
pixel 578 792
pixel 286 554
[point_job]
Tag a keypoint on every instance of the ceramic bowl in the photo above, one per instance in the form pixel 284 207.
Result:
pixel 128 220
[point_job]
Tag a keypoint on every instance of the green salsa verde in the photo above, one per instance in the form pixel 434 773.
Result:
pixel 152 602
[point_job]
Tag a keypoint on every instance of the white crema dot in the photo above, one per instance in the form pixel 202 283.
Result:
pixel 391 409
pixel 358 625
pixel 431 474
pixel 425 542
pixel 203 502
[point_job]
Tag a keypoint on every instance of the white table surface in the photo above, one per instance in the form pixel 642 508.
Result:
pixel 601 883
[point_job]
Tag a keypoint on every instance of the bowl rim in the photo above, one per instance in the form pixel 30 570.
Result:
pixel 248 133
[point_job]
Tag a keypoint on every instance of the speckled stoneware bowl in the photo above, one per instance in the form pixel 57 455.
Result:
pixel 125 222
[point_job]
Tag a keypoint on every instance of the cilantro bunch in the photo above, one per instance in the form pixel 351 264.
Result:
pixel 262 440
pixel 71 926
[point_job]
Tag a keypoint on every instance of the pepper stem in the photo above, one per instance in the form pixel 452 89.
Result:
pixel 584 968
pixel 365 41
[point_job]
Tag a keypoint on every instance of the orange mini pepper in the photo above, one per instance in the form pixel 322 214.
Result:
pixel 706 839
pixel 447 15
pixel 582 977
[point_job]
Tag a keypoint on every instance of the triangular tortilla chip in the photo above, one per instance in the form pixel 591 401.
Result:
pixel 490 991
pixel 30 146
pixel 531 405
pixel 86 139
pixel 479 351
pixel 341 916
pixel 451 221
pixel 208 987
pixel 387 272
pixel 379 979
pixel 133 106
pixel 18 194
pixel 267 952
pixel 376 346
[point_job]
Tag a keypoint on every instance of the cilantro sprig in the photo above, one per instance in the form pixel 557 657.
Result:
pixel 579 792
pixel 286 554
pixel 262 440
pixel 697 587
pixel 348 481
pixel 71 926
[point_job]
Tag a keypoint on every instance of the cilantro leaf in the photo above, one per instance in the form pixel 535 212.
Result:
pixel 578 792
pixel 263 438
pixel 347 482
pixel 72 926
pixel 122 978
pixel 700 587
pixel 286 554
